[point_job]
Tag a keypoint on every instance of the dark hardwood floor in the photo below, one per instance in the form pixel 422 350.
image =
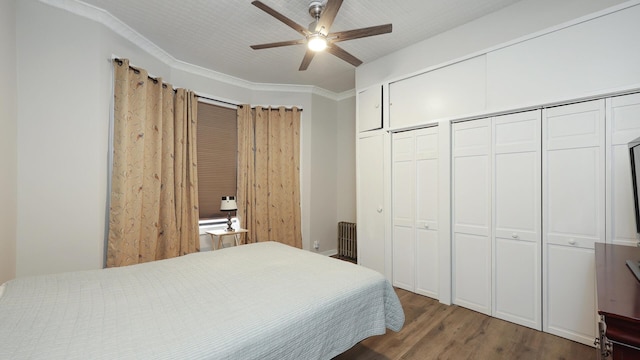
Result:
pixel 436 331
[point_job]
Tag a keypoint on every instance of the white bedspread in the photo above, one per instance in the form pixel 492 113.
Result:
pixel 259 301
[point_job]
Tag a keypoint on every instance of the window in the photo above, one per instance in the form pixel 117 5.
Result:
pixel 217 157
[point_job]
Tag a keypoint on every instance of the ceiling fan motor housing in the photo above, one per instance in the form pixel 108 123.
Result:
pixel 315 9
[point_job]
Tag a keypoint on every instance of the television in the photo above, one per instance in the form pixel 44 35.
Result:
pixel 634 155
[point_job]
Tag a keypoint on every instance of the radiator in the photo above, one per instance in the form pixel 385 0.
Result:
pixel 347 244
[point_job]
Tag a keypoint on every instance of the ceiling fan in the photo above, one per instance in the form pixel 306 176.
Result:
pixel 317 36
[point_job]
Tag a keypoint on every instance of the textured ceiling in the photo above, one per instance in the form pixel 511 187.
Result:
pixel 217 34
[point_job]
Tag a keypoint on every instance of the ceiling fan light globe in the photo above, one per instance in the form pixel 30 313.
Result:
pixel 317 43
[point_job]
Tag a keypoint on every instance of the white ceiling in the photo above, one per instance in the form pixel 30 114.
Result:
pixel 217 34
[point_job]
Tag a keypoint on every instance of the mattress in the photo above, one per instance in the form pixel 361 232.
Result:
pixel 258 301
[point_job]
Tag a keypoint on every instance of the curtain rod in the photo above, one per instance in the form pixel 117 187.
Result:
pixel 137 71
pixel 276 108
pixel 155 80
pixel 239 105
pixel 217 100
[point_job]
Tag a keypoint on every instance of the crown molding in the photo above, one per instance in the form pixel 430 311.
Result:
pixel 105 18
pixel 346 94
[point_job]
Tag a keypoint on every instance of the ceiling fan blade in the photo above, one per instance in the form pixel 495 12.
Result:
pixel 328 15
pixel 360 33
pixel 292 24
pixel 279 44
pixel 308 56
pixel 342 54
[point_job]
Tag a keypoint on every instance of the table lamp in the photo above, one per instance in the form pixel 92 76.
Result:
pixel 228 204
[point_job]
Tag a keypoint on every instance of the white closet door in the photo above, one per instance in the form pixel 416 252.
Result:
pixel 623 126
pixel 516 219
pixel 426 220
pixel 403 170
pixel 471 188
pixel 573 216
pixel 370 193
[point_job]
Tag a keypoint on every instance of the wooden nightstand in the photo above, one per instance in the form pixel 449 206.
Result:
pixel 219 234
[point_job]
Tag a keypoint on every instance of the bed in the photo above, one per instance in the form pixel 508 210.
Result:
pixel 257 301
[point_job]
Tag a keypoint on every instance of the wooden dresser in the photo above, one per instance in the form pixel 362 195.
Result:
pixel 619 298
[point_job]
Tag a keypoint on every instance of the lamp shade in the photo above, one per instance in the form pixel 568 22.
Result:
pixel 228 203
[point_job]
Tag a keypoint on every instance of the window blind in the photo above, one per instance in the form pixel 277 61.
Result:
pixel 217 157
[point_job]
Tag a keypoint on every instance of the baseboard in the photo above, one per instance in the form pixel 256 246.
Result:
pixel 328 252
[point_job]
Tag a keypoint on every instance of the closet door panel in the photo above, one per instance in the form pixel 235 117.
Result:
pixel 517 282
pixel 573 216
pixel 403 179
pixel 403 194
pixel 403 147
pixel 370 192
pixel 574 195
pixel 471 137
pixel 471 222
pixel 573 130
pixel 623 126
pixel 403 203
pixel 517 132
pixel 517 196
pixel 427 193
pixel 471 180
pixel 403 257
pixel 472 272
pixel 427 262
pixel 571 312
pixel 427 175
pixel 427 143
pixel 471 194
pixel 574 180
pixel 516 218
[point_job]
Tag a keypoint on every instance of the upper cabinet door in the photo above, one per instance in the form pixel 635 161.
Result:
pixel 370 109
pixel 444 93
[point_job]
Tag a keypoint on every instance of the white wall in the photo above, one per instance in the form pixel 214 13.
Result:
pixel 63 105
pixel 8 141
pixel 323 173
pixel 512 22
pixel 63 118
pixel 346 159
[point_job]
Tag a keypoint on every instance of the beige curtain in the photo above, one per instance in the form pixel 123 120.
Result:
pixel 269 174
pixel 153 210
pixel 246 179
